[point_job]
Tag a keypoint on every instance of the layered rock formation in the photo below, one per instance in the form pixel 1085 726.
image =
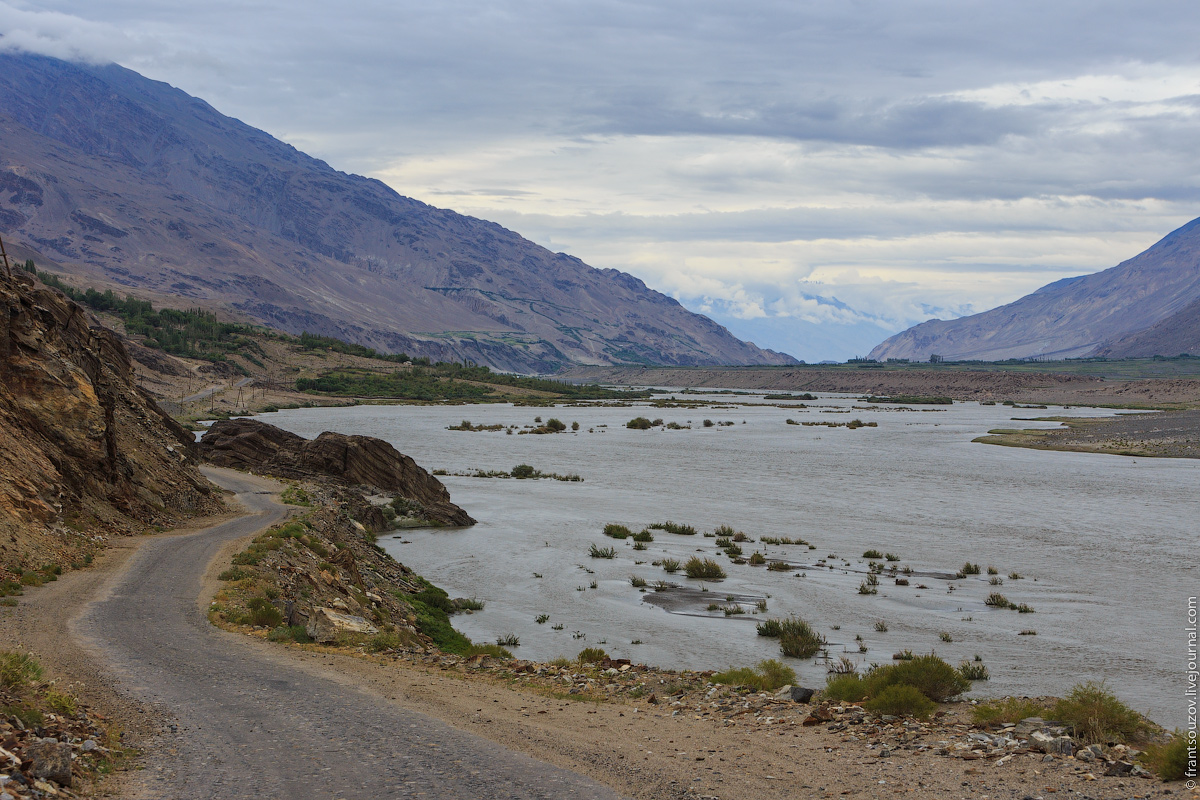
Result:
pixel 248 444
pixel 83 450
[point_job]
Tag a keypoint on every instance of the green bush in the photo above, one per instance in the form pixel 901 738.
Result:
pixel 643 536
pixel 703 568
pixel 670 564
pixel 18 669
pixel 617 531
pixel 936 679
pixel 769 676
pixel 262 612
pixel 491 650
pixel 901 700
pixel 846 688
pixel 602 552
pixel 771 628
pixel 639 424
pixel 673 527
pixel 289 633
pixel 873 554
pixel 797 639
pixel 1170 760
pixel 433 621
pixel 973 671
pixel 1096 715
pixel 1009 710
pixel 591 655
pixel 523 471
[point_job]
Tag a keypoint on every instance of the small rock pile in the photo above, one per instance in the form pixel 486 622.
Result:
pixel 56 757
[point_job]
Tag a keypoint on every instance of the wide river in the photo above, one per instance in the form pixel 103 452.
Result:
pixel 1105 545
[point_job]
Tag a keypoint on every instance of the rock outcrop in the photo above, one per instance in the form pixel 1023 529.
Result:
pixel 83 450
pixel 248 444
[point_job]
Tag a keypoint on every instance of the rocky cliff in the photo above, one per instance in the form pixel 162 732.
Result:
pixel 252 445
pixel 1144 306
pixel 83 450
pixel 130 182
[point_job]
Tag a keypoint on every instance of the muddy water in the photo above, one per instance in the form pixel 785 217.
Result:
pixel 1105 544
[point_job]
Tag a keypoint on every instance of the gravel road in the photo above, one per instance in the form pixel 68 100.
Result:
pixel 248 724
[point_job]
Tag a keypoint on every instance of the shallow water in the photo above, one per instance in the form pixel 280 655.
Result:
pixel 1106 544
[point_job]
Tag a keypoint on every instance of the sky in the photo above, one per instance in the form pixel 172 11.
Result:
pixel 813 175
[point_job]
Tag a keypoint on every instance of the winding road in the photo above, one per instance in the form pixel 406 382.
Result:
pixel 253 724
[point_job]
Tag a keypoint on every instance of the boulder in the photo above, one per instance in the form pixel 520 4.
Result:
pixel 325 624
pixel 51 760
pixel 249 444
pixel 799 694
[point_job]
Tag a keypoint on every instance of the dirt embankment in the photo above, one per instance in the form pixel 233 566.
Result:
pixel 1168 434
pixel 1023 387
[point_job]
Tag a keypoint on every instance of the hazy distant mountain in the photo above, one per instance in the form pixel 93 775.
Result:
pixel 1148 305
pixel 128 180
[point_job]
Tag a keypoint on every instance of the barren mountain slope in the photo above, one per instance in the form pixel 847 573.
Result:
pixel 132 181
pixel 1072 317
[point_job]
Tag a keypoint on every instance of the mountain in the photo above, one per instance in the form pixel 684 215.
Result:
pixel 1148 305
pixel 131 182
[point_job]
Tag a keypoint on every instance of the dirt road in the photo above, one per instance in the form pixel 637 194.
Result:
pixel 249 723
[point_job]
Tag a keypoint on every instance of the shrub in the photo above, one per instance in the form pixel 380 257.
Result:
pixel 636 581
pixel 387 640
pixel 18 669
pixel 1096 715
pixel 643 536
pixel 639 424
pixel 492 650
pixel 508 640
pixel 997 600
pixel 523 471
pixel 1009 710
pixel 973 671
pixel 779 566
pixel 263 613
pixel 602 552
pixel 467 604
pixel 1170 760
pixel 970 569
pixel 591 655
pixel 670 564
pixel 873 554
pixel 616 531
pixel 845 688
pixel 733 551
pixel 901 700
pixel 797 639
pixel 703 568
pixel 289 633
pixel 936 679
pixel 672 527
pixel 771 628
pixel 866 588
pixel 542 619
pixel 770 675
pixel 757 558
pixel 555 425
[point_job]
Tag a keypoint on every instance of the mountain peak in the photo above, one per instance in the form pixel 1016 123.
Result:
pixel 133 183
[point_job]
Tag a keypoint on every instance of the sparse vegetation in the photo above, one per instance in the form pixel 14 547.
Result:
pixel 508 640
pixel 706 569
pixel 769 675
pixel 1008 710
pixel 591 655
pixel 973 671
pixel 18 669
pixel 602 552
pixel 672 527
pixel 670 565
pixel 1096 715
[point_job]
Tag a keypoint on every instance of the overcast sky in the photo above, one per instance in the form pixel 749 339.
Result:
pixel 815 176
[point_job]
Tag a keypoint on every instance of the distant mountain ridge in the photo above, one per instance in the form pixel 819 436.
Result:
pixel 131 181
pixel 1148 305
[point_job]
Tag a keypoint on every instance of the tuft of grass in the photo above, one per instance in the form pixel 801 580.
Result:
pixel 467 604
pixel 591 655
pixel 492 650
pixel 945 637
pixel 1096 715
pixel 867 588
pixel 973 671
pixel 769 675
pixel 706 569
pixel 60 702
pixel 1006 711
pixel 881 627
pixel 1170 760
pixel 643 536
pixel 672 527
pixel 757 558
pixel 970 569
pixel 387 640
pixel 508 640
pixel 542 619
pixel 797 639
pixel 602 552
pixel 872 554
pixel 617 531
pixel 263 613
pixel 636 581
pixel 779 566
pixel 670 565
pixel 289 633
pixel 997 600
pixel 18 669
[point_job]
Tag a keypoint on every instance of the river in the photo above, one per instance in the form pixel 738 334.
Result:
pixel 1105 545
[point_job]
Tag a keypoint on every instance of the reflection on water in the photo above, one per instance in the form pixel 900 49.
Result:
pixel 1105 544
